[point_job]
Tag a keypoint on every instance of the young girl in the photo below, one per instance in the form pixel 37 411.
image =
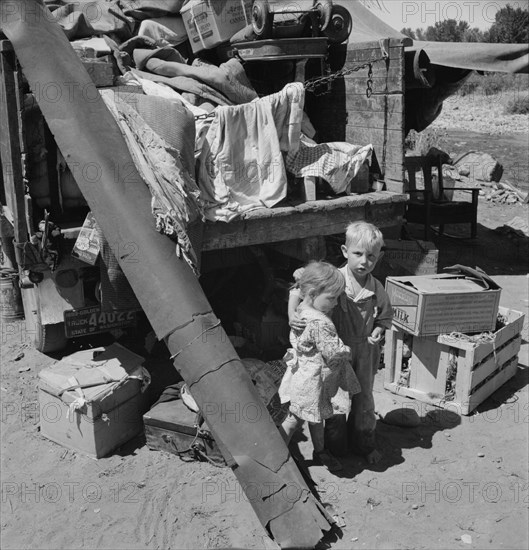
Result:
pixel 362 316
pixel 319 380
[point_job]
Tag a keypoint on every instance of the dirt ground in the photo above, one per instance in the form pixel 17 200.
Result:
pixel 451 482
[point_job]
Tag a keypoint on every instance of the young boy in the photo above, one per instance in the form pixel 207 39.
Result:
pixel 361 317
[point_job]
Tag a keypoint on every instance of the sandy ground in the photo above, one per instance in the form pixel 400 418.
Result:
pixel 484 114
pixel 451 482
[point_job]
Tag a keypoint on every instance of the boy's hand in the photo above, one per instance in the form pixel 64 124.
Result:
pixel 297 322
pixel 376 336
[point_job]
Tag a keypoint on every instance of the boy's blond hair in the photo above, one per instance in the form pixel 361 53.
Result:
pixel 365 234
pixel 321 277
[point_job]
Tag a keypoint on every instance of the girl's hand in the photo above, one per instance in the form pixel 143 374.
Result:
pixel 297 322
pixel 376 336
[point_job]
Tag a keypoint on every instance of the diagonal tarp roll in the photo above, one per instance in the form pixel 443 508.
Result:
pixel 168 291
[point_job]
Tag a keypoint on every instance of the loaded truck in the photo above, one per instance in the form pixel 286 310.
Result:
pixel 44 208
pixel 50 145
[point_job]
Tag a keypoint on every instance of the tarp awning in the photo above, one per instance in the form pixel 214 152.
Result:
pixel 476 56
pixel 367 27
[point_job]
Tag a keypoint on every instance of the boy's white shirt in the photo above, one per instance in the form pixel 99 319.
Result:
pixel 363 293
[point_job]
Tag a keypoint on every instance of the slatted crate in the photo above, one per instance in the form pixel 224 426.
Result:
pixel 450 371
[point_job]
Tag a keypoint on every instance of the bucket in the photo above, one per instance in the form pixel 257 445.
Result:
pixel 10 297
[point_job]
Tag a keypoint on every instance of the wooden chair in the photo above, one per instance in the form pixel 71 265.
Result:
pixel 429 208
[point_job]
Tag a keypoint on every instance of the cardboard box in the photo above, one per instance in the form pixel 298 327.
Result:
pixel 90 401
pixel 211 22
pixel 407 258
pixel 453 372
pixel 88 245
pixel 436 304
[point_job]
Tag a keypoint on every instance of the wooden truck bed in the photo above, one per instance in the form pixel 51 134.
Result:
pixel 310 219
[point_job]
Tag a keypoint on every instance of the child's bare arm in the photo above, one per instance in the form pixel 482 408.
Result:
pixel 384 316
pixel 294 320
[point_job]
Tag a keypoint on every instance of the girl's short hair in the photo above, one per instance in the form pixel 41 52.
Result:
pixel 365 234
pixel 321 277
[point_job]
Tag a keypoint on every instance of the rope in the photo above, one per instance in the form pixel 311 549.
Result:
pixel 483 338
pixel 194 450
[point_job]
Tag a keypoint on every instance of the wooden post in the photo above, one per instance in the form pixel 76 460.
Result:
pixel 11 140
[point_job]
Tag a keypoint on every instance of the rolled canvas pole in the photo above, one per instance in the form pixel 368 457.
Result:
pixel 168 291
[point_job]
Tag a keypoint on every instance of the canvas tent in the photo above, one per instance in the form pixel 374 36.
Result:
pixel 434 70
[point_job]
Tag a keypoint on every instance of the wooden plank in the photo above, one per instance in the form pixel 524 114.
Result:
pixel 379 86
pixel 490 387
pixel 380 77
pixel 387 152
pixel 399 345
pixel 376 134
pixel 416 394
pixel 369 51
pixel 358 103
pixel 497 359
pixel 384 127
pixel 393 181
pixel 501 337
pixel 424 365
pixel 375 120
pixel 463 376
pixel 394 171
pixel 380 72
pixel 349 87
pixel 390 356
pixel 10 146
pixel 356 82
pixel 387 145
pixel 312 219
pixel 308 190
pixel 478 352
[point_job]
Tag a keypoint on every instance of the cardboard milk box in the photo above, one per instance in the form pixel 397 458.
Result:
pixel 436 304
pixel 211 22
pixel 90 401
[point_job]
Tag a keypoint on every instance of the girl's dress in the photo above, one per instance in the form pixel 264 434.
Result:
pixel 319 380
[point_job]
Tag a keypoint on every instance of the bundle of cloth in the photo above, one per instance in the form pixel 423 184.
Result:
pixel 207 145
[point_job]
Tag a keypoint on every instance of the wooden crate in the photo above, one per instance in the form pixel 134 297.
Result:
pixel 452 372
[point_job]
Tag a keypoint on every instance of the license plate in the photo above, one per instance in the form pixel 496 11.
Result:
pixel 91 320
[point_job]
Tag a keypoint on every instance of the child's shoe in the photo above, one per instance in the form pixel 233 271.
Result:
pixel 326 459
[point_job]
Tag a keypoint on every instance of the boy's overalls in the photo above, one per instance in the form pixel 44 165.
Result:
pixel 355 317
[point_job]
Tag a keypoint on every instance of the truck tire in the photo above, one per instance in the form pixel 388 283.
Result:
pixel 262 19
pixel 50 338
pixel 46 338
